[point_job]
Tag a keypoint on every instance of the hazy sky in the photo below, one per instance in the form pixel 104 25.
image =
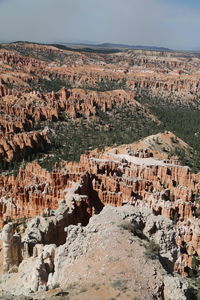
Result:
pixel 169 23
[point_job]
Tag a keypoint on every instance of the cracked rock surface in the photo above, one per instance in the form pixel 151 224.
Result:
pixel 102 260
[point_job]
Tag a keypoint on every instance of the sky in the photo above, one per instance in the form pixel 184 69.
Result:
pixel 168 23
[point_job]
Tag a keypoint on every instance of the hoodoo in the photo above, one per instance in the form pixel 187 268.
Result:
pixel 99 173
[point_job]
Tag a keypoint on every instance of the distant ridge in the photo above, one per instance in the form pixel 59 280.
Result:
pixel 113 47
pixel 119 46
pixel 154 48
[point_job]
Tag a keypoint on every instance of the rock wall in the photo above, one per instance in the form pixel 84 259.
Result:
pixel 21 116
pixel 113 177
pixel 162 73
pixel 57 268
pixel 15 147
pixel 12 249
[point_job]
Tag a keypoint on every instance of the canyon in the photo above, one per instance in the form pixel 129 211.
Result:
pixel 133 174
pixel 54 219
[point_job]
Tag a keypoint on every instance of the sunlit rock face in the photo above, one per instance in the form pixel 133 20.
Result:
pixel 45 215
pixel 137 174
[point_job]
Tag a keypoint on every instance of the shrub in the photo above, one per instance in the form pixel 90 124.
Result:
pixel 125 226
pixel 83 290
pixel 120 285
pixel 152 250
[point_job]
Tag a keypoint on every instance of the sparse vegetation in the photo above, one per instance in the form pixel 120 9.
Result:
pixel 194 275
pixel 95 286
pixel 174 140
pixel 109 85
pixel 181 120
pixel 175 217
pixel 126 226
pixel 83 290
pixel 134 229
pixel 197 210
pixel 71 139
pixel 151 250
pixel 120 285
pixel 45 85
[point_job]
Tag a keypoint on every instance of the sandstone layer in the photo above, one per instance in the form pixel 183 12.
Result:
pixel 54 222
pixel 162 73
pixel 71 270
pixel 137 174
pixel 25 106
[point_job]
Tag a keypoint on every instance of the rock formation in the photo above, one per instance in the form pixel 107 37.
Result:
pixel 22 116
pixel 24 106
pixel 159 72
pixel 126 174
pixel 53 220
pixel 51 267
pixel 11 248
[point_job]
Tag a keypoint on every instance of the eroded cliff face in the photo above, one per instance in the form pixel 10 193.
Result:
pixel 137 174
pixel 67 269
pixel 34 107
pixel 162 73
pixel 162 194
pixel 15 147
pixel 22 115
pixel 24 106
